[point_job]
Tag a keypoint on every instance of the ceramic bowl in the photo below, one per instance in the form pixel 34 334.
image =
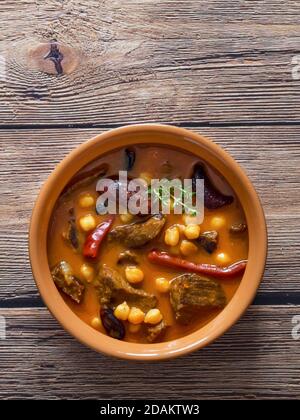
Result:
pixel 162 135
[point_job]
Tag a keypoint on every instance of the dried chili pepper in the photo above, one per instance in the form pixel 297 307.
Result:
pixel 163 258
pixel 95 238
pixel 213 198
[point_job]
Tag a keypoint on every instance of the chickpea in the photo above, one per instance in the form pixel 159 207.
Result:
pixel 188 248
pixel 218 222
pixel 172 236
pixel 162 284
pixel 134 274
pixel 86 200
pixel 136 316
pixel 87 222
pixel 126 218
pixel 153 316
pixel 192 231
pixel 122 311
pixel 222 258
pixel 96 323
pixel 87 272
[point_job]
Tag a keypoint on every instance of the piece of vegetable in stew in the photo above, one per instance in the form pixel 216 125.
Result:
pixel 140 277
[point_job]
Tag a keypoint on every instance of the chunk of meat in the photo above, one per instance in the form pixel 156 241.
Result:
pixel 209 241
pixel 71 234
pixel 140 233
pixel 128 257
pixel 113 289
pixel 64 279
pixel 190 293
pixel 156 331
pixel 239 227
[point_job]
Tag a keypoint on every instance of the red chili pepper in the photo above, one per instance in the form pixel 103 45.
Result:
pixel 95 238
pixel 163 258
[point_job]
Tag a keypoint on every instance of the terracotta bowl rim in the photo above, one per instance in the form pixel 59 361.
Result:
pixel 166 350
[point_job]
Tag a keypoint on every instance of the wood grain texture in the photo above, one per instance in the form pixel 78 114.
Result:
pixel 257 359
pixel 195 63
pixel 151 60
pixel 270 157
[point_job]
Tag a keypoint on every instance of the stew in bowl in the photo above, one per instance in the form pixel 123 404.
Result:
pixel 157 283
pixel 147 277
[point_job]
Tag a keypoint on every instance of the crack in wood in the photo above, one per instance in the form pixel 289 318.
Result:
pixel 186 124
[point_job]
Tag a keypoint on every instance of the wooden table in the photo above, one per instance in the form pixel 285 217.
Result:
pixel 222 68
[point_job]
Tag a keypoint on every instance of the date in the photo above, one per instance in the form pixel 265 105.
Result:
pixel 111 324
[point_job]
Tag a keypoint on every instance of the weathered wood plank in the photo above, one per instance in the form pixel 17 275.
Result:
pixel 153 60
pixel 257 359
pixel 269 155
